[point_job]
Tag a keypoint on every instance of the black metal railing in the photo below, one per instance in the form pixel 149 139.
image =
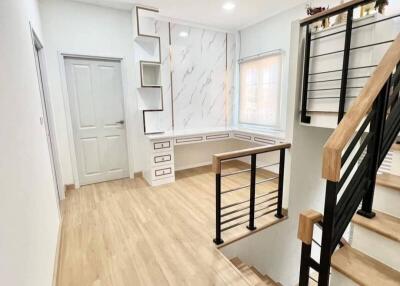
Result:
pixel 257 205
pixel 311 42
pixel 360 162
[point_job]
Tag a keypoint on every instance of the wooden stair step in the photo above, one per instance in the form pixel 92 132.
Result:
pixel 363 269
pixel 252 274
pixel 389 180
pixel 236 261
pixel 269 282
pixel 395 147
pixel 383 224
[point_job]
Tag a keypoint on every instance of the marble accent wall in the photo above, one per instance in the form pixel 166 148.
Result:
pixel 201 86
pixel 203 64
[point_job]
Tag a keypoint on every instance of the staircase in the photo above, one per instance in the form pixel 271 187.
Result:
pixel 357 194
pixel 252 274
pixel 373 255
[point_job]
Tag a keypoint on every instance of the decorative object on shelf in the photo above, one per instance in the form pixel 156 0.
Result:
pixel 320 24
pixel 367 10
pixel 341 18
pixel 380 5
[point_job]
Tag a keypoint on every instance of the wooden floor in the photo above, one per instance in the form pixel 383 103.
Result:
pixel 127 233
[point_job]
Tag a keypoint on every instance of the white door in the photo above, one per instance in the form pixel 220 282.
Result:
pixel 96 103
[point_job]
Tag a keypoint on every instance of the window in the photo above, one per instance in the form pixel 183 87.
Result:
pixel 260 88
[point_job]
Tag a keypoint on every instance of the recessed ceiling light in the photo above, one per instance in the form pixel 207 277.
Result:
pixel 183 34
pixel 229 6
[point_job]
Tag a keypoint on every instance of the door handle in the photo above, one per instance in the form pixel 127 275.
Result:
pixel 120 122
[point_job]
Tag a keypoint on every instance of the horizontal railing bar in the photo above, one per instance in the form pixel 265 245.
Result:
pixel 330 97
pixel 334 88
pixel 339 79
pixel 327 54
pixel 239 203
pixel 355 68
pixel 313 279
pixel 267 180
pixel 246 186
pixel 316 242
pixel 356 27
pixel 245 208
pixel 246 221
pixel 314 264
pixel 375 22
pixel 352 49
pixel 235 173
pixel 329 35
pixel 266 207
pixel 268 165
pixel 355 159
pixel 265 213
pixel 372 45
pixel 234 218
pixel 247 170
pixel 357 137
pixel 235 189
pixel 242 215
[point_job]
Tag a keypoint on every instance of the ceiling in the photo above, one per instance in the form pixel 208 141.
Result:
pixel 209 13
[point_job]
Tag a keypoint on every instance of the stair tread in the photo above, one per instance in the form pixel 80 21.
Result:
pixel 383 224
pixel 252 274
pixel 395 147
pixel 363 269
pixel 389 180
pixel 236 261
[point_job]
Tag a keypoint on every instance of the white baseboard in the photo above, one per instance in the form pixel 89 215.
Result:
pixel 57 261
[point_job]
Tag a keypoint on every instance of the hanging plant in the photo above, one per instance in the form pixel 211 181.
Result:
pixel 380 5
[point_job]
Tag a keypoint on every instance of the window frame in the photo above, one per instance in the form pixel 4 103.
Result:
pixel 278 125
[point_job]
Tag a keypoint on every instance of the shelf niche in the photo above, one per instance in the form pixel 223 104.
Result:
pixel 150 74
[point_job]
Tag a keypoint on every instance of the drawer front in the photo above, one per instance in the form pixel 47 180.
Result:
pixel 188 139
pixel 163 172
pixel 162 146
pixel 264 141
pixel 242 136
pixel 160 159
pixel 215 137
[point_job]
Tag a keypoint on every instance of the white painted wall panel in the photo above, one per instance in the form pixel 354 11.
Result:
pixel 29 215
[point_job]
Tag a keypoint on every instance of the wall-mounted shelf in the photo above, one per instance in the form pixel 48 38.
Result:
pixel 146 23
pixel 150 74
pixel 148 53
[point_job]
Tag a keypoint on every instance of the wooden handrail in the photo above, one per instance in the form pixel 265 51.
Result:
pixel 334 11
pixel 336 143
pixel 217 158
pixel 307 219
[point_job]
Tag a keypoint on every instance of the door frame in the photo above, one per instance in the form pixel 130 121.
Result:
pixel 62 56
pixel 48 118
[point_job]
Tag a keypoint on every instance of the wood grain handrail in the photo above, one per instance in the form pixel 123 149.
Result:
pixel 334 11
pixel 217 158
pixel 336 143
pixel 307 219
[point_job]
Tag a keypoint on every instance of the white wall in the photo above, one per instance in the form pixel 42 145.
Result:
pixel 77 28
pixel 29 215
